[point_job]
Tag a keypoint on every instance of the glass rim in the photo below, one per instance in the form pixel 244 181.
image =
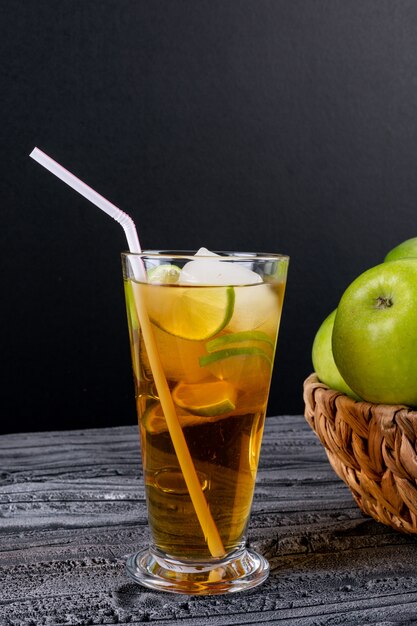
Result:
pixel 189 255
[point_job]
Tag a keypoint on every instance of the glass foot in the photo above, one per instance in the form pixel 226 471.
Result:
pixel 240 570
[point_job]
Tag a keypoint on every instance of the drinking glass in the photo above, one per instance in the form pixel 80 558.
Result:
pixel 203 335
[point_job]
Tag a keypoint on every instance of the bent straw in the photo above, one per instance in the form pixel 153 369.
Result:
pixel 197 496
pixel 117 214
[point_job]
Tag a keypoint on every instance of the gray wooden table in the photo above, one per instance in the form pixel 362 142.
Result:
pixel 72 507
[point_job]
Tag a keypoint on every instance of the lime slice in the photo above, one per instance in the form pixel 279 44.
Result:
pixel 179 357
pixel 165 274
pixel 130 305
pixel 248 337
pixel 247 368
pixel 154 422
pixel 195 313
pixel 227 353
pixel 207 399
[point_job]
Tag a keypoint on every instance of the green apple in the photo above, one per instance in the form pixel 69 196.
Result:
pixel 374 337
pixel 323 361
pixel 405 249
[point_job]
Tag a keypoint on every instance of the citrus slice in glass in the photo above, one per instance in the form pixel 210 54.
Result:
pixel 154 422
pixel 195 313
pixel 179 357
pixel 130 305
pixel 247 337
pixel 248 368
pixel 207 399
pixel 165 274
pixel 153 419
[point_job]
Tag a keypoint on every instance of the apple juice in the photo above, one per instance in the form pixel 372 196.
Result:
pixel 216 346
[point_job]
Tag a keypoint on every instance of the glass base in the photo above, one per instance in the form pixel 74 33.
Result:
pixel 240 570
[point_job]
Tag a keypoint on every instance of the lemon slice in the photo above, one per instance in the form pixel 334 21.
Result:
pixel 248 368
pixel 165 274
pixel 207 399
pixel 249 337
pixel 195 313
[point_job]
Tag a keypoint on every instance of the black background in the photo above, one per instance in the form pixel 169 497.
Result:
pixel 285 126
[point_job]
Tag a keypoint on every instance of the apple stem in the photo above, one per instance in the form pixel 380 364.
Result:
pixel 383 303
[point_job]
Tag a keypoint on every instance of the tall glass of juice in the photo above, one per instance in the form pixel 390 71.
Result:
pixel 212 323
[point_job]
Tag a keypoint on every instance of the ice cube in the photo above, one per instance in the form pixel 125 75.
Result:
pixel 208 271
pixel 204 252
pixel 256 308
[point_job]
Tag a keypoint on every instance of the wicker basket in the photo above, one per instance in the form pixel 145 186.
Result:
pixel 372 447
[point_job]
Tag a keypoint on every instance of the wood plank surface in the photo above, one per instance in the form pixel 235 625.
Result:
pixel 72 507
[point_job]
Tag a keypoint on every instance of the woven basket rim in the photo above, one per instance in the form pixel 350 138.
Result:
pixel 313 382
